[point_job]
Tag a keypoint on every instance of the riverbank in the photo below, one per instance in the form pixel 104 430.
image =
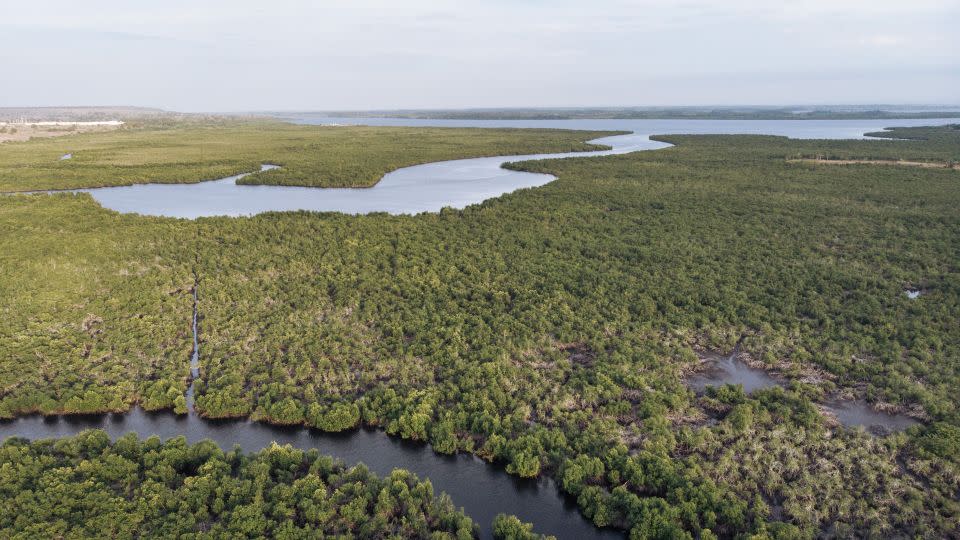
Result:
pixel 147 487
pixel 481 489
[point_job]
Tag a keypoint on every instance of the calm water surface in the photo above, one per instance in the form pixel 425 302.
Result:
pixel 483 490
pixel 457 183
pixel 860 413
pixel 729 369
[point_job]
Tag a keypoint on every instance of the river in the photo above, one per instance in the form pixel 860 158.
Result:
pixel 482 489
pixel 457 183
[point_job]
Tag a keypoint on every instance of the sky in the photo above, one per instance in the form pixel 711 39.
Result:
pixel 241 55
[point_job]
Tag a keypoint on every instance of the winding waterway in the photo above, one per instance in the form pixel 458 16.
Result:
pixel 410 190
pixel 457 183
pixel 482 489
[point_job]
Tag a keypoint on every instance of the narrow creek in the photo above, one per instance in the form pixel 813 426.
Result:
pixel 195 353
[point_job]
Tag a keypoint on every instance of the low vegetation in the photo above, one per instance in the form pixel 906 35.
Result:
pixel 550 329
pixel 316 156
pixel 511 528
pixel 897 162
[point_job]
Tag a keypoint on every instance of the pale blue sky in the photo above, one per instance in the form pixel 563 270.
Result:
pixel 221 55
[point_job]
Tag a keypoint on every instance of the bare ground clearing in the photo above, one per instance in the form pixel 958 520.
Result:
pixel 23 132
pixel 923 164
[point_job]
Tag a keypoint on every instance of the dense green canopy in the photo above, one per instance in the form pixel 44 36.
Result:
pixel 551 329
pixel 88 487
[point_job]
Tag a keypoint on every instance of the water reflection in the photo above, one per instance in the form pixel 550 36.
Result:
pixel 482 489
pixel 730 369
pixel 855 413
pixel 458 183
pixel 410 190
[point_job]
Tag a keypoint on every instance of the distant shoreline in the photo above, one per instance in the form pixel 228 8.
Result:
pixel 654 113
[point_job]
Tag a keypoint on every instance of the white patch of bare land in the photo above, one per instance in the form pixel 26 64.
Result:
pixel 26 130
pixel 78 124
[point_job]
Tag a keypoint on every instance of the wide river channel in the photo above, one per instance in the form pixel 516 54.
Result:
pixel 432 186
pixel 482 489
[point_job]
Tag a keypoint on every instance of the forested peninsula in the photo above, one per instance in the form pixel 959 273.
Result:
pixel 88 487
pixel 156 151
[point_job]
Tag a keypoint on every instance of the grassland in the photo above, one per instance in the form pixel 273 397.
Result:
pixel 550 329
pixel 314 156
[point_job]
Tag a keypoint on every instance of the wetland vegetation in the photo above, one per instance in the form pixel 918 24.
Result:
pixel 313 156
pixel 89 487
pixel 550 330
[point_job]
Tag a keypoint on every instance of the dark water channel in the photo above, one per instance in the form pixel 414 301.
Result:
pixel 482 489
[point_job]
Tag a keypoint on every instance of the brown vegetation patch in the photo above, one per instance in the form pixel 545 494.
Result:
pixel 901 162
pixel 785 370
pixel 580 353
pixel 25 132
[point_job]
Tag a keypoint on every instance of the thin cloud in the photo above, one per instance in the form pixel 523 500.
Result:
pixel 454 53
